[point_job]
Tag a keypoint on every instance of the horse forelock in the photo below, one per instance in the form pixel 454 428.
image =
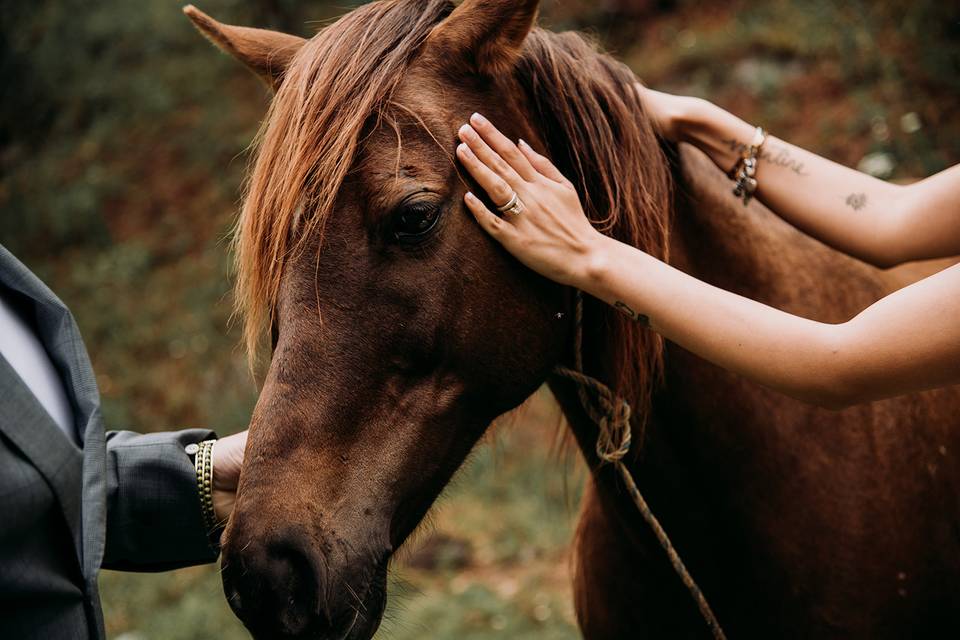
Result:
pixel 583 102
pixel 341 77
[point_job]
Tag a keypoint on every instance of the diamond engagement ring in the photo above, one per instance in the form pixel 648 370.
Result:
pixel 513 207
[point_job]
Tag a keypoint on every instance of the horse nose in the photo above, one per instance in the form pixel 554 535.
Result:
pixel 274 587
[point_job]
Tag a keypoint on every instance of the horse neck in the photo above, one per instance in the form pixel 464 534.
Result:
pixel 747 250
pixel 751 251
pixel 702 413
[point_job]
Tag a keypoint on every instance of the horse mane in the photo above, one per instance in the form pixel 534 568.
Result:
pixel 599 136
pixel 584 101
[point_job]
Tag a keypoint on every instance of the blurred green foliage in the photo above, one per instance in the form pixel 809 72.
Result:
pixel 123 138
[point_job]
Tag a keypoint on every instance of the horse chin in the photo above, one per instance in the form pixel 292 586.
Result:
pixel 367 618
pixel 361 625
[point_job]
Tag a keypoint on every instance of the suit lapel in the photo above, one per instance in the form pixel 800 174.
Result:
pixel 59 334
pixel 31 429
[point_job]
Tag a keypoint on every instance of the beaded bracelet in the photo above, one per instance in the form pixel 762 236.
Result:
pixel 744 171
pixel 203 464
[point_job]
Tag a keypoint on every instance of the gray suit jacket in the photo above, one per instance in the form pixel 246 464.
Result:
pixel 120 501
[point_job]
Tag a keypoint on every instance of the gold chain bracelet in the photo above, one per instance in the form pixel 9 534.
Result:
pixel 744 172
pixel 204 467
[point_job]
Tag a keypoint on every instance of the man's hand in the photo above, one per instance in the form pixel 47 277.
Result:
pixel 227 460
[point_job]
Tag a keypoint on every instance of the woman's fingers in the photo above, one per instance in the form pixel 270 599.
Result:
pixel 491 223
pixel 503 146
pixel 488 156
pixel 542 163
pixel 496 187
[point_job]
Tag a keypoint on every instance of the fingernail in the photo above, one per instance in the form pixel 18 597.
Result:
pixel 462 147
pixel 479 119
pixel 522 142
pixel 471 197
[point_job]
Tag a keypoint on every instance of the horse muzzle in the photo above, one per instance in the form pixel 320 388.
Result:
pixel 286 586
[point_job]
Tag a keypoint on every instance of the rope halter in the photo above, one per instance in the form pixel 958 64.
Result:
pixel 611 413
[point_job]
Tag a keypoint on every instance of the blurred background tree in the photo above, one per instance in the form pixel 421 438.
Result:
pixel 123 140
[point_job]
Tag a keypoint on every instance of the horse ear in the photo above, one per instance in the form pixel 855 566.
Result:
pixel 266 53
pixel 485 36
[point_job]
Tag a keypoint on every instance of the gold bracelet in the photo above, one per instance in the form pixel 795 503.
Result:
pixel 744 171
pixel 203 464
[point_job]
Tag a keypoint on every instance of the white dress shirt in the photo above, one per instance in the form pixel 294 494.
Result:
pixel 22 349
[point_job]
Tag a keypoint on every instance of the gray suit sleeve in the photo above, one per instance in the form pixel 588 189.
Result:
pixel 154 522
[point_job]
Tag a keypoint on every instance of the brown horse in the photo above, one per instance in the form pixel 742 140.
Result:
pixel 400 330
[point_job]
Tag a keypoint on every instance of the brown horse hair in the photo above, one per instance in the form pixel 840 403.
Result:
pixel 599 136
pixel 591 116
pixel 310 138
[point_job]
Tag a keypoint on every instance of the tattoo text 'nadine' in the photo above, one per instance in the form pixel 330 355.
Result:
pixel 776 155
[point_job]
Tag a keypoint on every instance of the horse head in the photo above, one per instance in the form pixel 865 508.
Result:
pixel 399 330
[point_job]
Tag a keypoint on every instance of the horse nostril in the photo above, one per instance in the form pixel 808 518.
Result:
pixel 273 587
pixel 294 585
pixel 285 585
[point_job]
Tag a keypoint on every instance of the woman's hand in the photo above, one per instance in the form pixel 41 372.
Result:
pixel 672 115
pixel 552 234
pixel 227 461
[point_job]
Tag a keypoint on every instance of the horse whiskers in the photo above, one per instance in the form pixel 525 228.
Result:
pixel 224 566
pixel 354 594
pixel 325 591
pixel 353 623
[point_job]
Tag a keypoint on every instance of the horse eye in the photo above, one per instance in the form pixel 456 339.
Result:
pixel 415 220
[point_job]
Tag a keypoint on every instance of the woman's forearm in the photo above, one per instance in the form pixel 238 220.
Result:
pixel 766 345
pixel 881 223
pixel 906 342
pixel 844 208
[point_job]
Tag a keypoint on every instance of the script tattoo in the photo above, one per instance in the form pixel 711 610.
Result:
pixel 779 156
pixel 857 201
pixel 623 308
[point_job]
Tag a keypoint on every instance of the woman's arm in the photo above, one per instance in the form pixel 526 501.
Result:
pixel 905 342
pixel 879 222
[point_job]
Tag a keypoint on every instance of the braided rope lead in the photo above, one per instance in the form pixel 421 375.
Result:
pixel 611 413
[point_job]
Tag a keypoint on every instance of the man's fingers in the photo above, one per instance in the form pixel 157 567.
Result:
pixel 541 163
pixel 496 187
pixel 491 223
pixel 503 146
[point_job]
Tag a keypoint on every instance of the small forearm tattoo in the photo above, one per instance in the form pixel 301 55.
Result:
pixel 623 308
pixel 779 156
pixel 857 201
